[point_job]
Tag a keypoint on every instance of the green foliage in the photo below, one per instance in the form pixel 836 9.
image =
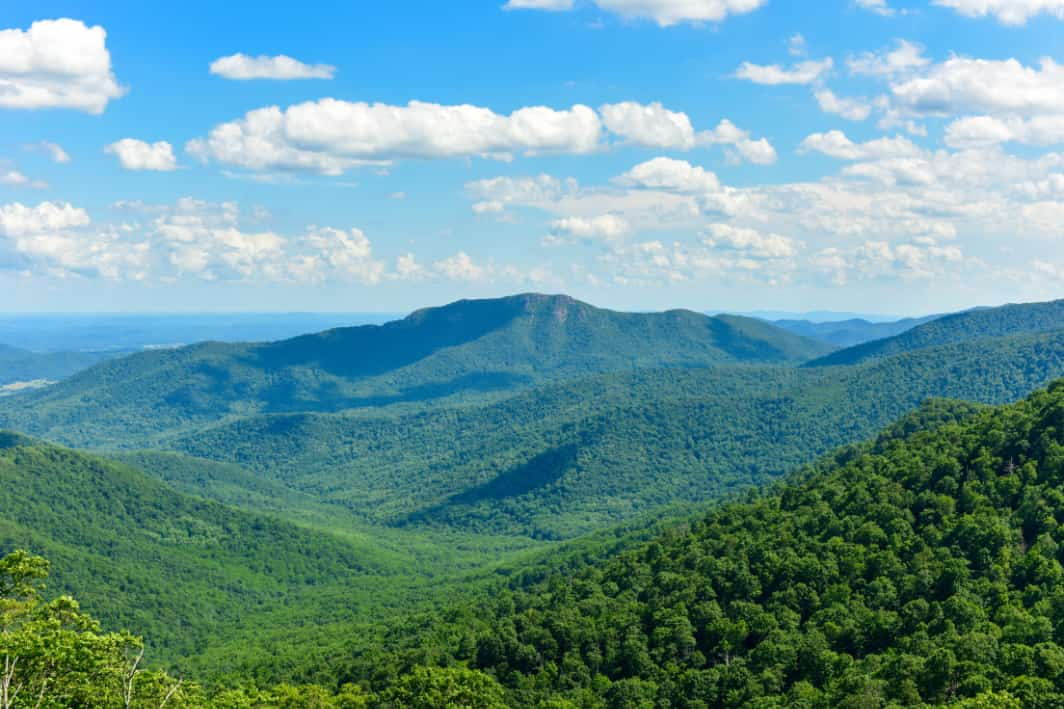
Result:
pixel 961 327
pixel 18 365
pixel 921 570
pixel 847 333
pixel 469 348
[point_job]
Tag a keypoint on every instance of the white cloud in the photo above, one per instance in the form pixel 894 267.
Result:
pixel 344 254
pixel 796 45
pixel 17 219
pixel 651 125
pixel 56 64
pixel 1008 12
pixel 981 131
pixel 962 85
pixel 880 7
pixel 750 242
pixel 54 151
pixel 807 72
pixel 281 67
pixel 136 154
pixel 670 174
pixel 11 177
pixel 331 136
pixel 607 227
pixel 849 108
pixel 836 144
pixel 460 267
pixel 549 5
pixel 905 58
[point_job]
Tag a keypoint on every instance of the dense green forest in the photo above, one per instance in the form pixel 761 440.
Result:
pixel 847 333
pixel 327 521
pixel 19 365
pixel 923 568
pixel 465 349
pixel 959 327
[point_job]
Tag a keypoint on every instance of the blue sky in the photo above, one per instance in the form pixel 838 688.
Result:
pixel 897 156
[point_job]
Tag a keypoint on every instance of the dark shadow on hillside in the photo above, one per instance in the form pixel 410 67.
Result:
pixel 537 473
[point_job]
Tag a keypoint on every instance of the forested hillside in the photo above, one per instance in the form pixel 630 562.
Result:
pixel 571 458
pixel 922 570
pixel 847 333
pixel 960 327
pixel 469 347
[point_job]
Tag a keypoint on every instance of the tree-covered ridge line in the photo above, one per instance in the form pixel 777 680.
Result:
pixel 921 570
pixel 1026 318
pixel 464 350
pixel 581 455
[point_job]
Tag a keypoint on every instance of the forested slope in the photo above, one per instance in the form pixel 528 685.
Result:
pixel 923 570
pixel 466 348
pixel 1026 318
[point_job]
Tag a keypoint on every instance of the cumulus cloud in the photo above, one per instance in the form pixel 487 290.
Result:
pixel 964 85
pixel 54 151
pixel 607 227
pixel 849 108
pixel 281 67
pixel 670 174
pixel 880 7
pixel 17 219
pixel 981 131
pixel 460 267
pixel 750 242
pixel 331 136
pixel 651 125
pixel 1008 12
pixel 807 72
pixel 136 154
pixel 905 58
pixel 836 144
pixel 56 64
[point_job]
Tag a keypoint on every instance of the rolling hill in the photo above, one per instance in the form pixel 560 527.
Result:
pixel 959 327
pixel 573 457
pixel 19 365
pixel 465 348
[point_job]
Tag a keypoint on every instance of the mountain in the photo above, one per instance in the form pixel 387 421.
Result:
pixel 468 347
pixel 957 328
pixel 577 456
pixel 19 365
pixel 847 333
pixel 918 570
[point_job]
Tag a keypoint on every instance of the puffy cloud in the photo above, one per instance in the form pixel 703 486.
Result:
pixel 136 154
pixel 905 58
pixel 56 64
pixel 460 267
pixel 963 85
pixel 807 72
pixel 849 108
pixel 281 67
pixel 880 259
pixel 750 242
pixel 11 177
pixel 19 220
pixel 344 254
pixel 981 131
pixel 651 125
pixel 607 227
pixel 330 136
pixel 880 7
pixel 670 174
pixel 1008 12
pixel 836 144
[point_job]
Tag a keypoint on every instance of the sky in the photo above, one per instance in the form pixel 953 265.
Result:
pixel 895 156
